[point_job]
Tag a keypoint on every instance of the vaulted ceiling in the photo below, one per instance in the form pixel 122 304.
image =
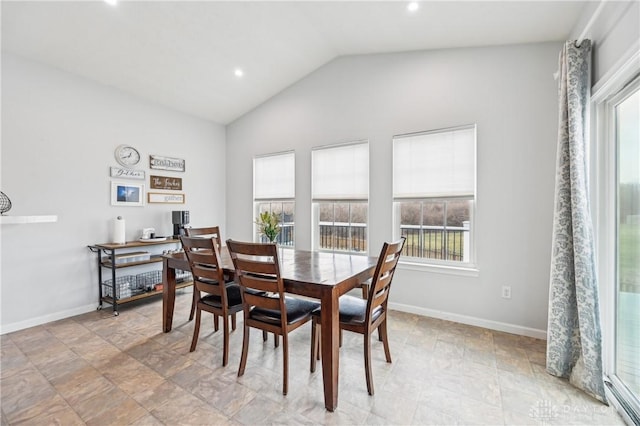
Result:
pixel 183 54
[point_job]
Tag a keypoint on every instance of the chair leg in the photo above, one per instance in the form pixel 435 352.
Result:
pixel 216 326
pixel 225 354
pixel 233 322
pixel 285 363
pixel 196 331
pixel 276 340
pixel 367 362
pixel 315 344
pixel 245 351
pixel 194 302
pixel 382 333
pixel 265 335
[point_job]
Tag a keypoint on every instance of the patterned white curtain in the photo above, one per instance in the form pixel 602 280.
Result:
pixel 574 340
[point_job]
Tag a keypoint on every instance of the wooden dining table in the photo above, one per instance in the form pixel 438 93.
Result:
pixel 319 275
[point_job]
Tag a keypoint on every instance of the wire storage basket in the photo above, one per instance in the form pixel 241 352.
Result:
pixel 183 276
pixel 125 287
pixel 147 280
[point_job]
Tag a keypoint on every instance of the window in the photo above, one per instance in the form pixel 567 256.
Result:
pixel 434 181
pixel 274 191
pixel 617 106
pixel 340 192
pixel 625 114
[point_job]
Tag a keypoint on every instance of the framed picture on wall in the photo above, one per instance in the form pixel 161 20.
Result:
pixel 127 194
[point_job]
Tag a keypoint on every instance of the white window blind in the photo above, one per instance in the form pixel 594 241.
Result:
pixel 435 164
pixel 340 172
pixel 274 176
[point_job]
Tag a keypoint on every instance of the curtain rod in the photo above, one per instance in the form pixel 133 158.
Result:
pixel 585 30
pixel 593 18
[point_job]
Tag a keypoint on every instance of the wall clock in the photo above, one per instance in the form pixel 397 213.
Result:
pixel 127 155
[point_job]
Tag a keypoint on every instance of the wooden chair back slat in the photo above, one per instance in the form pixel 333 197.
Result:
pixel 272 303
pixel 258 269
pixel 383 275
pixel 259 283
pixel 256 266
pixel 204 262
pixel 210 232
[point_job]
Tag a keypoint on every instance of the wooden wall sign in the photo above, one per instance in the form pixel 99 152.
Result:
pixel 159 197
pixel 118 172
pixel 166 182
pixel 166 163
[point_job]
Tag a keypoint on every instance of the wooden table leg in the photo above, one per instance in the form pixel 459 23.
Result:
pixel 168 295
pixel 330 327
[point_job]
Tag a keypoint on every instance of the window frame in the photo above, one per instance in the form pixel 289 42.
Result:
pixel 316 239
pixel 607 94
pixel 315 202
pixel 469 267
pixel 257 201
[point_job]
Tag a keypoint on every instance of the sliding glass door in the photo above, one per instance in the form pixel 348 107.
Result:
pixel 625 114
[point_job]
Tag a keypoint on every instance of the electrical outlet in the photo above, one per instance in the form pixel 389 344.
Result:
pixel 506 292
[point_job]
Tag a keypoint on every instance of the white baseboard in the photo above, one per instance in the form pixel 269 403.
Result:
pixel 32 322
pixel 478 322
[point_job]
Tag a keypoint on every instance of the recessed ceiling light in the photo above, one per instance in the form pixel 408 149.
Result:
pixel 238 72
pixel 111 2
pixel 413 6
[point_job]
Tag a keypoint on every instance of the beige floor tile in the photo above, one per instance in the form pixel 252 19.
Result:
pixel 426 415
pixel 13 361
pixel 154 397
pixel 188 409
pixel 83 384
pixel 28 394
pixel 126 412
pixel 64 417
pixel 67 330
pixel 111 407
pixel 147 420
pixel 100 369
pixel 396 409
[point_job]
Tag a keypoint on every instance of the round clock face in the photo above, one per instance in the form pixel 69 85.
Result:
pixel 127 155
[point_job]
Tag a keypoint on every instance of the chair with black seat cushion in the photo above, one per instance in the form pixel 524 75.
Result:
pixel 364 316
pixel 258 270
pixel 222 298
pixel 208 232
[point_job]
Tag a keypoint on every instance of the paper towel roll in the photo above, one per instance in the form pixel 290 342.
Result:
pixel 118 230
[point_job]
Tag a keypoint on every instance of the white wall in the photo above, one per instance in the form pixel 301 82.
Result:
pixel 59 133
pixel 508 91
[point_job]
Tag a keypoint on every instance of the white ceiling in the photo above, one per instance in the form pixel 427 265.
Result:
pixel 183 54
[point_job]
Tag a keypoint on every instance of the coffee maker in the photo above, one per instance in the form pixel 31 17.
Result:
pixel 180 218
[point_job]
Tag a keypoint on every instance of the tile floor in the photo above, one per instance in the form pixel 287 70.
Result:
pixel 98 369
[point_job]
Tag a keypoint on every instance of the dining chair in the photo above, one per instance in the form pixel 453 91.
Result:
pixel 258 269
pixel 222 298
pixel 208 232
pixel 365 315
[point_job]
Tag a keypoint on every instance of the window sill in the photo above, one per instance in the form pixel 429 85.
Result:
pixel 465 271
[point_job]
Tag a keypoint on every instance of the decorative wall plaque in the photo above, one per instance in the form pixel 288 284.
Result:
pixel 166 163
pixel 159 197
pixel 166 182
pixel 119 172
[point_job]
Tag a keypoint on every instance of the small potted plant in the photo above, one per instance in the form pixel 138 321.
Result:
pixel 269 225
